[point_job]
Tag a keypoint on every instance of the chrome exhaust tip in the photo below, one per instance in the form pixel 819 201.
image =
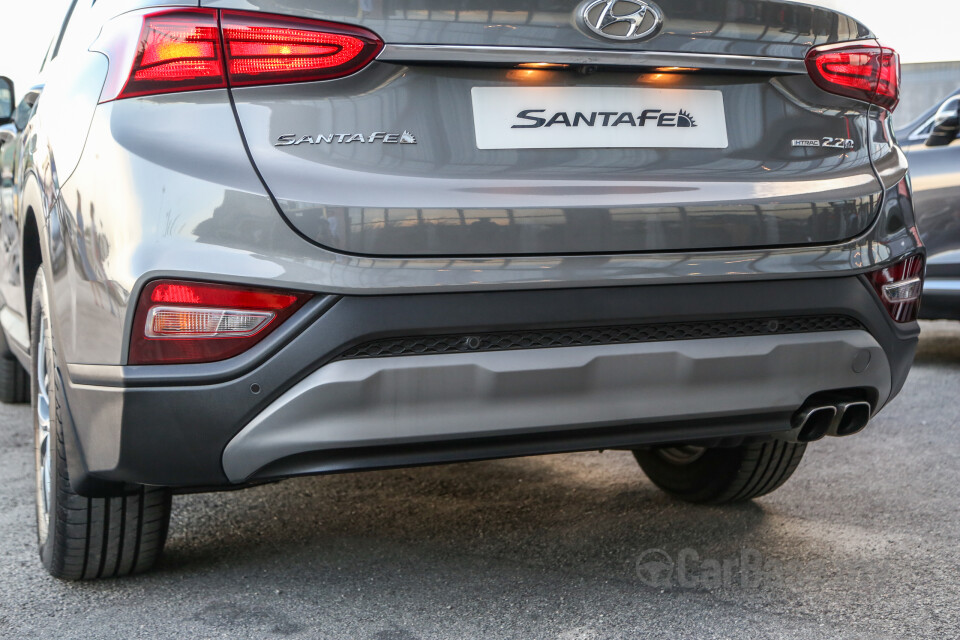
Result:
pixel 814 422
pixel 852 417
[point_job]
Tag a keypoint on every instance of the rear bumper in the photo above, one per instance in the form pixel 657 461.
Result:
pixel 375 402
pixel 204 426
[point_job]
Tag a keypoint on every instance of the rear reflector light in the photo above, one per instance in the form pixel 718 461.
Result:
pixel 190 322
pixel 190 49
pixel 900 288
pixel 176 292
pixel 864 70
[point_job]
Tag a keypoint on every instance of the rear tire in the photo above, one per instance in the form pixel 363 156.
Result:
pixel 82 538
pixel 722 474
pixel 14 381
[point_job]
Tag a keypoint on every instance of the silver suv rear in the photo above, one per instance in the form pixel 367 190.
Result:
pixel 240 246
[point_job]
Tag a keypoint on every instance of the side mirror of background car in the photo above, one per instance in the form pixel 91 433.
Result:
pixel 7 103
pixel 946 128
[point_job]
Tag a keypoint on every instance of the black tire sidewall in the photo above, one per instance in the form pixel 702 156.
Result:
pixel 701 480
pixel 84 540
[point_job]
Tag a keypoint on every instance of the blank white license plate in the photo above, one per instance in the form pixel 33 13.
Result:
pixel 598 117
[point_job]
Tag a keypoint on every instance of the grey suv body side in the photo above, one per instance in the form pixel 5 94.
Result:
pixel 748 260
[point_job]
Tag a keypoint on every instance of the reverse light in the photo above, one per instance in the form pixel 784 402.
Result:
pixel 190 49
pixel 900 287
pixel 180 322
pixel 864 70
pixel 906 291
pixel 191 322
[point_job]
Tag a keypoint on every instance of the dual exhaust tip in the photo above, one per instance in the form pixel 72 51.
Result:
pixel 835 419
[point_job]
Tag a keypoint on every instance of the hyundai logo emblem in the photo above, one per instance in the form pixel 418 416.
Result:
pixel 620 19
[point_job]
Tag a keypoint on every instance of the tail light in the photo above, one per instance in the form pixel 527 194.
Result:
pixel 191 322
pixel 191 49
pixel 178 51
pixel 272 49
pixel 900 287
pixel 864 70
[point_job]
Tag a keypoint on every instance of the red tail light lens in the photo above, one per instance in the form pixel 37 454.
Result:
pixel 900 287
pixel 866 71
pixel 191 322
pixel 191 49
pixel 272 49
pixel 178 51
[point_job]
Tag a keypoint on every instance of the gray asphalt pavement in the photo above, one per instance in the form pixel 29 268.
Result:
pixel 863 542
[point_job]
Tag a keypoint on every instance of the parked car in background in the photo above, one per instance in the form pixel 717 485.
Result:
pixel 253 241
pixel 932 145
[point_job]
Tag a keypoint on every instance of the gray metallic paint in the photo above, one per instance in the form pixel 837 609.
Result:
pixel 125 192
pixel 445 197
pixel 184 182
pixel 222 226
pixel 379 401
pixel 66 95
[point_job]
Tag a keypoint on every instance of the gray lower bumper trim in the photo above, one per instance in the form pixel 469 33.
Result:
pixel 380 401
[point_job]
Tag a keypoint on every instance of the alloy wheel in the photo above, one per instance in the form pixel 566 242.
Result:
pixel 43 442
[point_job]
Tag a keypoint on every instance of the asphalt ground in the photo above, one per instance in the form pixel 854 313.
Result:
pixel 863 542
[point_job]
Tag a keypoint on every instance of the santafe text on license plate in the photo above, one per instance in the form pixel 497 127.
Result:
pixel 598 117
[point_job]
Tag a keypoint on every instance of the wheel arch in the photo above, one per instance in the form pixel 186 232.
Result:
pixel 34 203
pixel 31 252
